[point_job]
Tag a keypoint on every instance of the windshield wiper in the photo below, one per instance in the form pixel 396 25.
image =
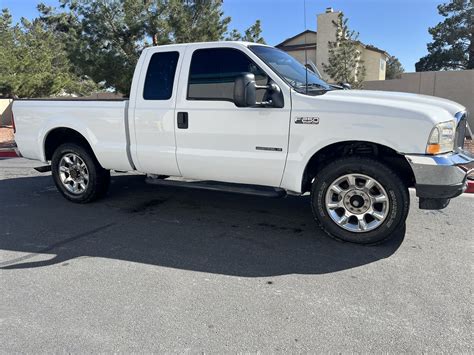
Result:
pixel 312 87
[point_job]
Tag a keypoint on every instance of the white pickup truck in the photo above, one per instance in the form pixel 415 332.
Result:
pixel 246 117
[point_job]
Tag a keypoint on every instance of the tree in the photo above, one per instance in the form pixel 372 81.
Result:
pixel 7 47
pixel 105 37
pixel 453 43
pixel 394 68
pixel 34 62
pixel 195 21
pixel 252 34
pixel 344 62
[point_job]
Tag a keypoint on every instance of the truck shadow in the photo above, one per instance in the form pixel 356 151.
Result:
pixel 204 231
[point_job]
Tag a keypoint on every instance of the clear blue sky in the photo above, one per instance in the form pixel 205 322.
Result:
pixel 398 26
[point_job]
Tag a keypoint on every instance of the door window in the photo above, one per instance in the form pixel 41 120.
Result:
pixel 213 71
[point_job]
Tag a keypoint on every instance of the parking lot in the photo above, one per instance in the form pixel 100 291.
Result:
pixel 165 269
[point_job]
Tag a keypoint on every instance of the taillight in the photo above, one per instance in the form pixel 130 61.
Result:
pixel 13 124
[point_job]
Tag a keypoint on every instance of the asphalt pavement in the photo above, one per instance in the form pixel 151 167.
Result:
pixel 163 269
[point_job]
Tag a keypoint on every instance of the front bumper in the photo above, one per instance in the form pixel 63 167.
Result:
pixel 440 177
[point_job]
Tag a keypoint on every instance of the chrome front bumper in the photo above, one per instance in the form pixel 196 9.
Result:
pixel 440 177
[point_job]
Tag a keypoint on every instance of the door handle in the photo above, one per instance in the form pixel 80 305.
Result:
pixel 183 120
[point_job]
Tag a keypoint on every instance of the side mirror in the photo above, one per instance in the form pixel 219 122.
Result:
pixel 245 90
pixel 346 86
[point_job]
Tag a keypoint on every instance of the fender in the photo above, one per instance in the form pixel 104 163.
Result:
pixel 297 163
pixel 77 126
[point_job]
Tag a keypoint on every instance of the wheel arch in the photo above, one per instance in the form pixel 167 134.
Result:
pixel 386 155
pixel 60 135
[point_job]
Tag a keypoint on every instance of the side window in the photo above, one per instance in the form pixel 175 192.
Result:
pixel 160 76
pixel 213 71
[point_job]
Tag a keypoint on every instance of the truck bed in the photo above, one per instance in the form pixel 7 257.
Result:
pixel 104 123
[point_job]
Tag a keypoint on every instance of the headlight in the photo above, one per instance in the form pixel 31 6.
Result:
pixel 441 138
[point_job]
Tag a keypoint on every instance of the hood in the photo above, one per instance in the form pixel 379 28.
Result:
pixel 436 108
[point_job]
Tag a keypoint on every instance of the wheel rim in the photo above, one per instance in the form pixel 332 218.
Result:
pixel 357 203
pixel 73 173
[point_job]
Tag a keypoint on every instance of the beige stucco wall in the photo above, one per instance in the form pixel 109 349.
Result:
pixel 299 55
pixel 454 85
pixel 326 33
pixel 372 62
pixel 5 112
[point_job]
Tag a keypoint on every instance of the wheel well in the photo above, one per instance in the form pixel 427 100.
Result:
pixel 390 157
pixel 63 135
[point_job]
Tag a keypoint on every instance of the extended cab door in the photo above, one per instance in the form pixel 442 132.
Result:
pixel 216 140
pixel 152 109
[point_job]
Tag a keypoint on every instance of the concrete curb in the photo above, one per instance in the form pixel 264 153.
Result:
pixel 470 187
pixel 7 153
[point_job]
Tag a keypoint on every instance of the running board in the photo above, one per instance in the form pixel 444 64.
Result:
pixel 255 190
pixel 43 169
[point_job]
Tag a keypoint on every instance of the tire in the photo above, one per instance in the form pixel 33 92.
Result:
pixel 82 180
pixel 370 211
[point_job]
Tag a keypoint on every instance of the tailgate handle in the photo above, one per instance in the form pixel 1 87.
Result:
pixel 182 120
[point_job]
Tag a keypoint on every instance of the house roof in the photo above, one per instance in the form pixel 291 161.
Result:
pixel 283 44
pixel 375 49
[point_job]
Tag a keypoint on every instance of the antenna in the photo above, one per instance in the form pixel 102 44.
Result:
pixel 305 47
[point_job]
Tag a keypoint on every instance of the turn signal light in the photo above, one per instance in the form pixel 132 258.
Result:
pixel 441 139
pixel 433 149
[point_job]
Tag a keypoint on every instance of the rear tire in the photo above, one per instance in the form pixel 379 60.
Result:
pixel 359 200
pixel 78 175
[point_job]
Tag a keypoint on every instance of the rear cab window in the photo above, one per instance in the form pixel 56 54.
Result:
pixel 160 76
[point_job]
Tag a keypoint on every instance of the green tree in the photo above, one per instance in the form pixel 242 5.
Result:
pixel 7 52
pixel 34 62
pixel 234 35
pixel 344 62
pixel 394 68
pixel 453 43
pixel 195 21
pixel 252 34
pixel 104 38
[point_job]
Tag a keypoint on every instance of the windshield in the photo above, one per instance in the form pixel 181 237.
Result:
pixel 292 71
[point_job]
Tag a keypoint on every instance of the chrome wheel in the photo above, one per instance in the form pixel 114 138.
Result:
pixel 73 173
pixel 357 203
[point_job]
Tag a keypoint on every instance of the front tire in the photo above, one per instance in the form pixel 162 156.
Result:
pixel 359 200
pixel 78 175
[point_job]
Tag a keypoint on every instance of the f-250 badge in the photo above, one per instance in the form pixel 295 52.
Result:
pixel 307 120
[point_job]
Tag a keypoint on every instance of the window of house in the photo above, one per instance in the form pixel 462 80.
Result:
pixel 213 72
pixel 382 64
pixel 160 76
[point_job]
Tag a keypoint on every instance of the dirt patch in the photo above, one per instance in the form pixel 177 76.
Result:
pixel 6 137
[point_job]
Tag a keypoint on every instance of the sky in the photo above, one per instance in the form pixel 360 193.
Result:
pixel 399 27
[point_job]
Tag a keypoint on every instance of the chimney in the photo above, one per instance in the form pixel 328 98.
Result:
pixel 326 33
